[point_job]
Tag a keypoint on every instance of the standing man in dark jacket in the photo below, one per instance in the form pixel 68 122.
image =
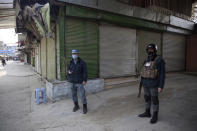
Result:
pixel 77 75
pixel 152 80
pixel 3 62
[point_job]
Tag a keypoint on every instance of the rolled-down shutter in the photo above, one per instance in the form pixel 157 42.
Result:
pixel 117 51
pixel 43 57
pixel 83 36
pixel 174 51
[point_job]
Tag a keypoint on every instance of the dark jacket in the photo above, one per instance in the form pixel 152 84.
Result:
pixel 79 72
pixel 160 80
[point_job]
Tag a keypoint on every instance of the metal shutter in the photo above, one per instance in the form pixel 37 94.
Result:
pixel 51 67
pixel 174 47
pixel 83 35
pixel 117 51
pixel 43 57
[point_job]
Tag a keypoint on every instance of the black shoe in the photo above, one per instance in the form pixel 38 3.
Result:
pixel 154 118
pixel 145 114
pixel 85 110
pixel 76 107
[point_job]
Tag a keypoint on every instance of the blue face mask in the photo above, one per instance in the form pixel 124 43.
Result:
pixel 74 57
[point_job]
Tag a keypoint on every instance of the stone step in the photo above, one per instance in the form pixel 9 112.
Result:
pixel 120 82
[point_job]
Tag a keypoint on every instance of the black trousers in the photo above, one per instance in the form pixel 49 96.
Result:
pixel 151 96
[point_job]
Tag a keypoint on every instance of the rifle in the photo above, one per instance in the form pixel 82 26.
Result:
pixel 140 90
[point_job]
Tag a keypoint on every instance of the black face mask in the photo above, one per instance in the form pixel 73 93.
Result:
pixel 150 54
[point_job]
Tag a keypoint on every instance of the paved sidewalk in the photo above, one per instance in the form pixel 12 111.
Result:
pixel 111 110
pixel 17 82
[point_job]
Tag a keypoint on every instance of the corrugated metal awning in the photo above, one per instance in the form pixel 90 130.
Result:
pixel 7 14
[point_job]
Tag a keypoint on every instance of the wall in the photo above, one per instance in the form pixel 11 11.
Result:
pixel 117 7
pixel 183 6
pixel 147 20
pixel 191 60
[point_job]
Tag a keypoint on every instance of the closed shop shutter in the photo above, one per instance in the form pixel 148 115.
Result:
pixel 43 57
pixel 174 47
pixel 37 59
pixel 117 51
pixel 144 38
pixel 51 72
pixel 83 36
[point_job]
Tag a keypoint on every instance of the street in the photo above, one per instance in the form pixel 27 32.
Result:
pixel 111 110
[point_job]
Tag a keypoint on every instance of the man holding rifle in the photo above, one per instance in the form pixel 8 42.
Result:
pixel 152 80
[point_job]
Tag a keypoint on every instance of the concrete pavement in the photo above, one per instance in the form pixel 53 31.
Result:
pixel 111 110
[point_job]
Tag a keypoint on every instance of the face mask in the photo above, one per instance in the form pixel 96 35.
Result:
pixel 151 53
pixel 74 56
